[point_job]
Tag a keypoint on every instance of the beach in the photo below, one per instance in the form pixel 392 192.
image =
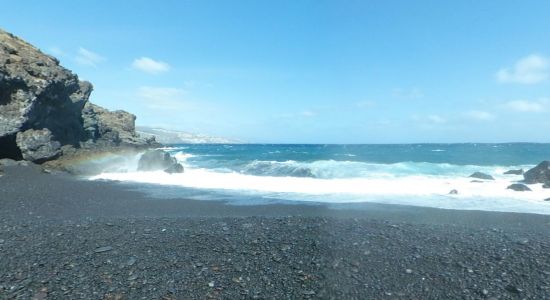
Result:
pixel 62 237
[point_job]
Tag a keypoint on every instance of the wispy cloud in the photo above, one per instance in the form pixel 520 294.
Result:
pixel 437 119
pixel 479 115
pixel 302 114
pixel 308 113
pixel 531 69
pixel 56 51
pixel 412 93
pixel 429 119
pixel 150 65
pixel 163 98
pixel 365 104
pixel 86 57
pixel 528 106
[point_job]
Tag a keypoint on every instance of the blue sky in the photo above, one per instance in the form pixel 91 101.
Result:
pixel 309 71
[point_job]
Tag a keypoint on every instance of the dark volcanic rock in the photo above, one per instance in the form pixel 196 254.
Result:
pixel 36 93
pixel 518 187
pixel 175 168
pixel 514 172
pixel 538 174
pixel 38 145
pixel 482 176
pixel 111 128
pixel 154 160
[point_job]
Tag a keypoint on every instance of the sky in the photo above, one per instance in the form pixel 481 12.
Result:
pixel 308 71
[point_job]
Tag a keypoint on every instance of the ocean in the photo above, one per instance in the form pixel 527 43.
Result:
pixel 340 175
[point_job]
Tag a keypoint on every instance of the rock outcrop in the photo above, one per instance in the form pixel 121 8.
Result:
pixel 154 160
pixel 538 174
pixel 44 106
pixel 111 128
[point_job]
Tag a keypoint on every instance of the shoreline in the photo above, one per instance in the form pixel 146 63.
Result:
pixel 68 238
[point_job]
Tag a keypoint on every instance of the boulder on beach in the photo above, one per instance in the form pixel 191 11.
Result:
pixel 518 187
pixel 538 174
pixel 45 107
pixel 154 160
pixel 514 172
pixel 37 145
pixel 481 175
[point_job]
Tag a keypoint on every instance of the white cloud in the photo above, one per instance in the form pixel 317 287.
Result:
pixel 527 106
pixel 150 65
pixel 88 58
pixel 163 98
pixel 480 115
pixel 531 69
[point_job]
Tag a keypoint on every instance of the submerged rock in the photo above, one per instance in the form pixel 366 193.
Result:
pixel 154 160
pixel 514 172
pixel 538 174
pixel 175 168
pixel 453 192
pixel 481 175
pixel 518 187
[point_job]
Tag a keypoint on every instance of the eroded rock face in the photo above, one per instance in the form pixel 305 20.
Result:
pixel 111 128
pixel 38 145
pixel 36 93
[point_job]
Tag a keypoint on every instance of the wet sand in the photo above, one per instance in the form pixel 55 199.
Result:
pixel 66 238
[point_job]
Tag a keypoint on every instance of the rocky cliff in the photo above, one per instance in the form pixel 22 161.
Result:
pixel 44 108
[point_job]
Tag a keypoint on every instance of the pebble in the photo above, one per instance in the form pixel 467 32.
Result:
pixel 131 261
pixel 103 249
pixel 133 277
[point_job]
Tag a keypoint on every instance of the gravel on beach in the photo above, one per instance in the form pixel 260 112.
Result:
pixel 61 238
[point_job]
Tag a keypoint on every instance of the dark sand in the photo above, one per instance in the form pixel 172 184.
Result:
pixel 61 238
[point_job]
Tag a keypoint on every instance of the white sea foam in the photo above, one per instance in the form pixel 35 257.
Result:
pixel 420 190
